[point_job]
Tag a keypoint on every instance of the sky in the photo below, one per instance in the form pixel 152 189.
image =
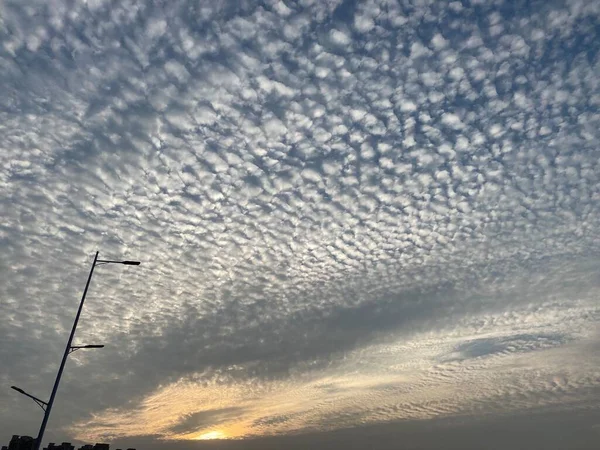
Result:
pixel 361 223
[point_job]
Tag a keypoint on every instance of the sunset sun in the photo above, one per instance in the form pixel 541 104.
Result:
pixel 212 435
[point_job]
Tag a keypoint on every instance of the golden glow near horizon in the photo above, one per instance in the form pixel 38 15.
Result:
pixel 212 435
pixel 419 378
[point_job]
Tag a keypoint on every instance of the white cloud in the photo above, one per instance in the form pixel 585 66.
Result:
pixel 452 120
pixel 340 38
pixel 363 23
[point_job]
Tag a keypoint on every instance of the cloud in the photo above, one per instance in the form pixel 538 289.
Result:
pixel 199 420
pixel 345 214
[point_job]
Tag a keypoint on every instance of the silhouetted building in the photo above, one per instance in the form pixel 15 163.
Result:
pixel 63 446
pixel 21 443
pixel 27 443
pixel 14 442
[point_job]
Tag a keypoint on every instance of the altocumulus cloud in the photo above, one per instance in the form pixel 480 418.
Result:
pixel 348 212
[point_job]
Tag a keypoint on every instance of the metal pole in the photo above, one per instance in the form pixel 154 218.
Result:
pixel 38 441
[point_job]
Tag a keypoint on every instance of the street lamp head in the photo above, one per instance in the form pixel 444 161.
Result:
pixel 18 389
pixel 131 263
pixel 77 347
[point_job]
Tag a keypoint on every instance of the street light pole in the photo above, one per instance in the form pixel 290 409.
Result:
pixel 38 442
pixel 70 348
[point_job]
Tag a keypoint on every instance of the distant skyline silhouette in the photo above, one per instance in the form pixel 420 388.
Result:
pixel 27 442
